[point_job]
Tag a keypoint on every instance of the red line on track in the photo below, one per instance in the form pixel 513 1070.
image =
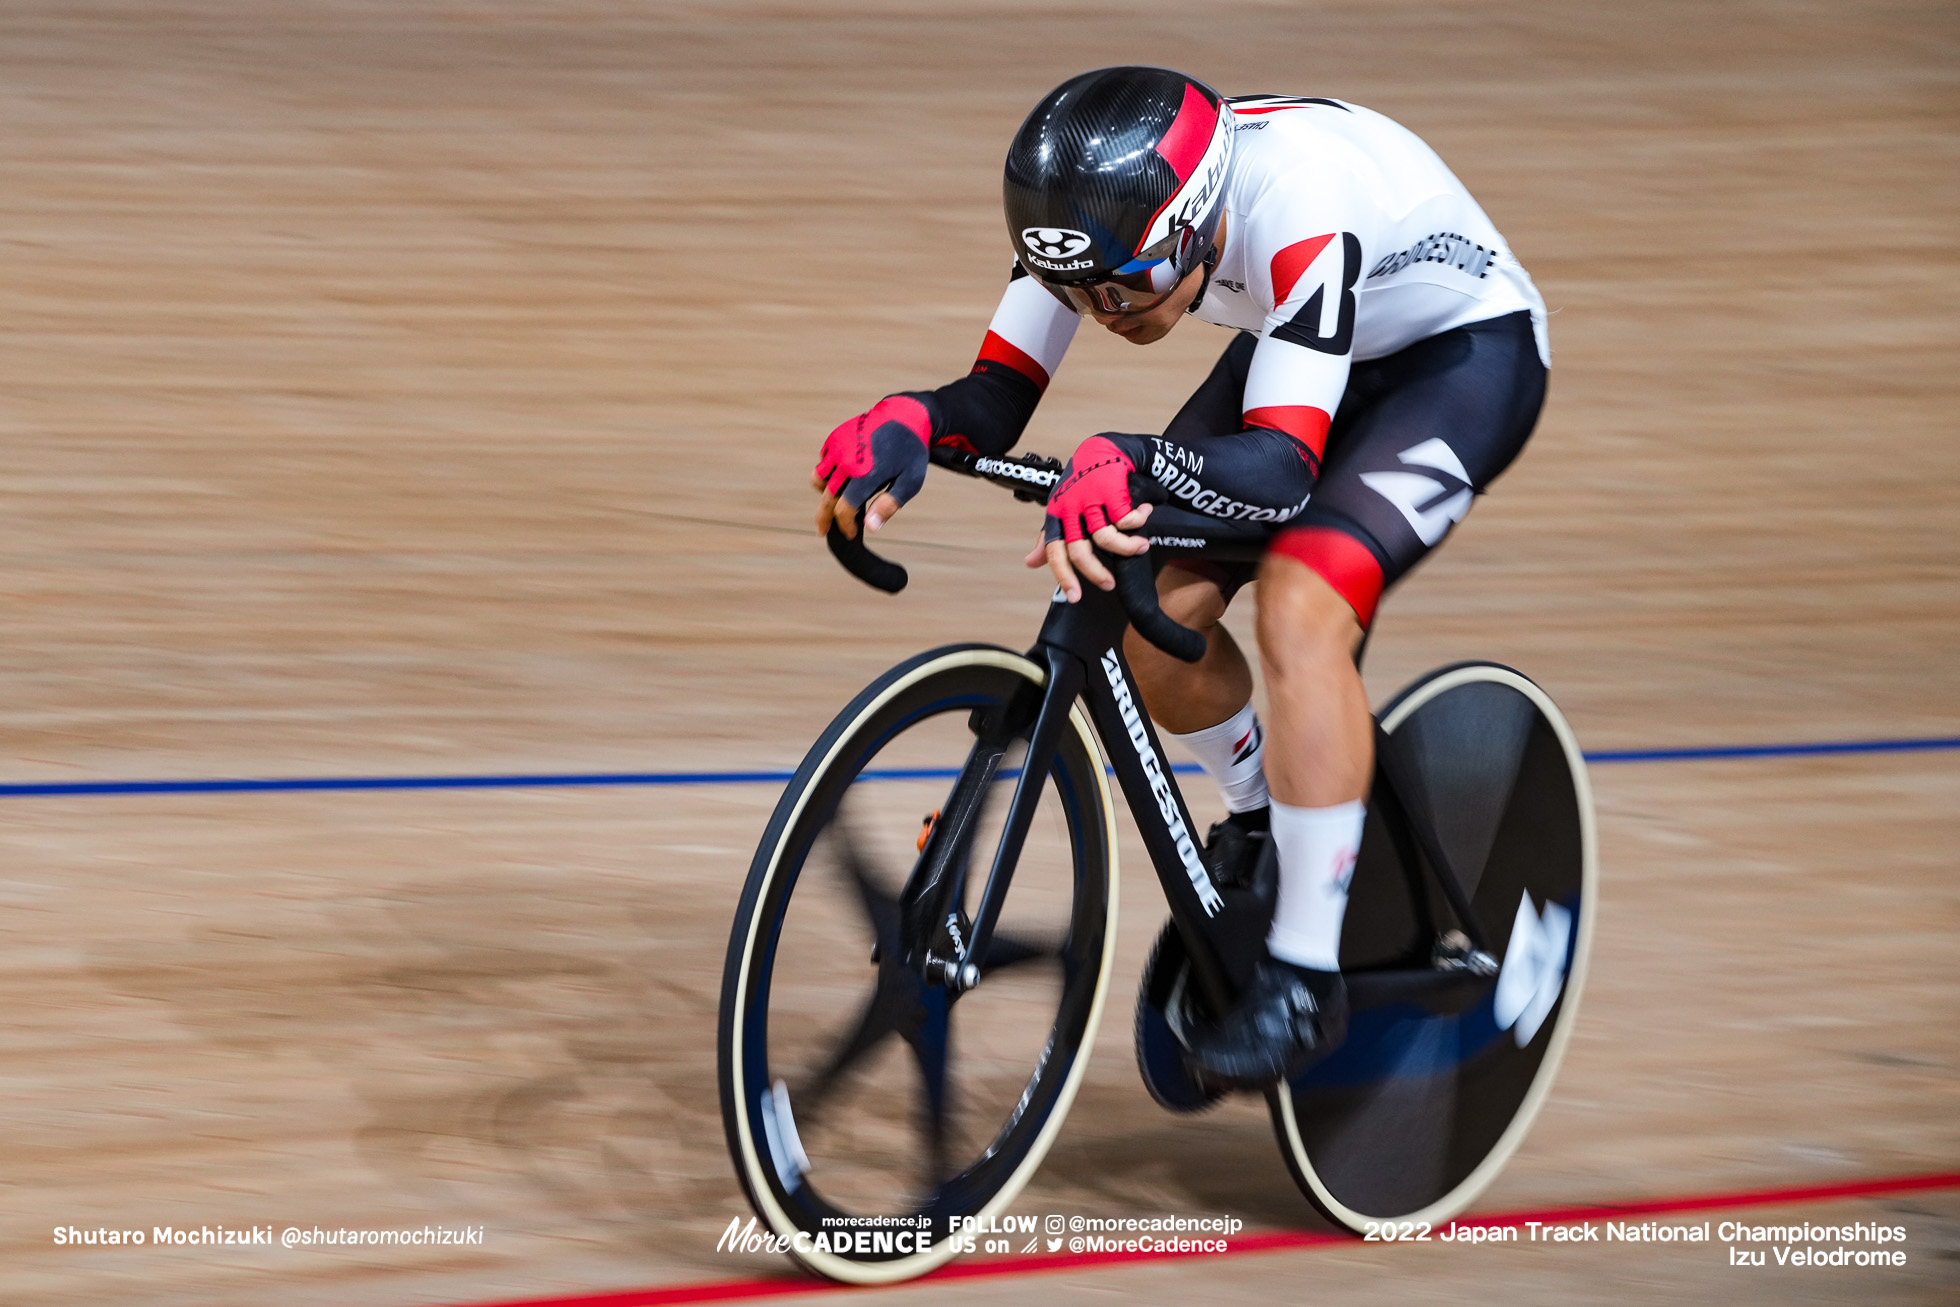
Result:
pixel 1035 1263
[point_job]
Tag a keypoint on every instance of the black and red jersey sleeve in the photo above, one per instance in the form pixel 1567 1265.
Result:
pixel 1256 476
pixel 987 410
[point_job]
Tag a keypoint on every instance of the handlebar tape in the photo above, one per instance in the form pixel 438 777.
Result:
pixel 1136 587
pixel 878 573
pixel 1136 583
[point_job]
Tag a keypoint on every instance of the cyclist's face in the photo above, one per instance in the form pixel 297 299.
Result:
pixel 1155 323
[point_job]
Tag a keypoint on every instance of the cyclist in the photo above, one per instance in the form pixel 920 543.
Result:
pixel 1390 361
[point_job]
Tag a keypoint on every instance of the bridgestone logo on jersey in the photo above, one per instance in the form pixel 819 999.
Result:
pixel 1209 502
pixel 1160 786
pixel 1446 248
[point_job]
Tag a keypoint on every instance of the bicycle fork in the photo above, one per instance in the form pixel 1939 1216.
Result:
pixel 1081 649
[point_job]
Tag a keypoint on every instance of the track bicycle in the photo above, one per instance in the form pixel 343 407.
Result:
pixel 923 947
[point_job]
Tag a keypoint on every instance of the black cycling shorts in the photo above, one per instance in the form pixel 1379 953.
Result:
pixel 1417 436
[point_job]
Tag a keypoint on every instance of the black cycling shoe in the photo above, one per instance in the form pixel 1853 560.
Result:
pixel 1286 1020
pixel 1233 846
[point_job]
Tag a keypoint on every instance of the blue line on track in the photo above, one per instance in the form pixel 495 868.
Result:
pixel 56 789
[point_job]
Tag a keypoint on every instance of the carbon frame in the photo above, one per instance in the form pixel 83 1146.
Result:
pixel 1081 649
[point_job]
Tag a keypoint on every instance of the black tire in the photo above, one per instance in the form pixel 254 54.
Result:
pixel 817 1133
pixel 1417 1112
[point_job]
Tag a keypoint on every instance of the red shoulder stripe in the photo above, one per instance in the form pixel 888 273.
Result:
pixel 997 349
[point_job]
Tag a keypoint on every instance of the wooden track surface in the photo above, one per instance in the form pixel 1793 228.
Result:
pixel 429 388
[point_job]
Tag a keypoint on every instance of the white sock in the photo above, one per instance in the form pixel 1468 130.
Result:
pixel 1233 754
pixel 1316 862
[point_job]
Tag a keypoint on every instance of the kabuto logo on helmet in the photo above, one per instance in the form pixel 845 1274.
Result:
pixel 1054 242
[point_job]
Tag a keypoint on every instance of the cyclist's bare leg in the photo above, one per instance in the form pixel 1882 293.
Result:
pixel 1321 741
pixel 1320 735
pixel 1184 697
pixel 1318 758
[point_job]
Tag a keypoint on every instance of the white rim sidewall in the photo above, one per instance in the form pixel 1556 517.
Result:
pixel 1468 1189
pixel 905 1268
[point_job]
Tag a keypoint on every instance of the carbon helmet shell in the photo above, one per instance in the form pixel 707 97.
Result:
pixel 1116 169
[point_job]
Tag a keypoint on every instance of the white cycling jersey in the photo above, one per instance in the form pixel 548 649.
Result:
pixel 1345 238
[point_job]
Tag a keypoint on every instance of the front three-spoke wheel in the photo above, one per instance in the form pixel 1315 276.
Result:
pixel 859 1077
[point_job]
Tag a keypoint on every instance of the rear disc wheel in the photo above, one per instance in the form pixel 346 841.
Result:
pixel 1413 1116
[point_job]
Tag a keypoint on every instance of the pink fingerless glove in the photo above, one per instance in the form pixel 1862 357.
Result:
pixel 885 448
pixel 1094 491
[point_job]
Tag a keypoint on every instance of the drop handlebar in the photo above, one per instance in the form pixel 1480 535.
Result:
pixel 1030 477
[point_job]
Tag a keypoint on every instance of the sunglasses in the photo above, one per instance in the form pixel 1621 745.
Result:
pixel 1122 293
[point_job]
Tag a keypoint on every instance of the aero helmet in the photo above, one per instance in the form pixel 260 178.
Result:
pixel 1115 184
